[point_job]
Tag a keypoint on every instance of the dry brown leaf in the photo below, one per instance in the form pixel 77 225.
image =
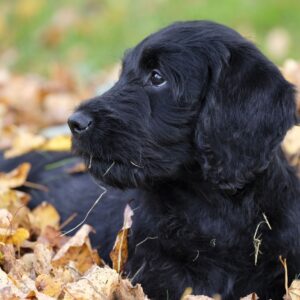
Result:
pixel 97 283
pixel 8 259
pixel 83 258
pixel 78 250
pixel 125 290
pixel 6 228
pixel 45 215
pixel 294 290
pixel 291 143
pixel 53 237
pixel 119 254
pixel 8 288
pixel 15 202
pixel 66 274
pixel 42 258
pixel 77 240
pixel 48 285
pixel 14 178
pixel 27 262
pixel 103 283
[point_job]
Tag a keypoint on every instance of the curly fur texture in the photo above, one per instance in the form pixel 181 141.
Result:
pixel 201 154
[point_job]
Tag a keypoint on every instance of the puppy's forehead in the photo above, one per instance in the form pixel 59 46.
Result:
pixel 177 38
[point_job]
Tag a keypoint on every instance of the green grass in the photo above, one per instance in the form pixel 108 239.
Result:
pixel 103 29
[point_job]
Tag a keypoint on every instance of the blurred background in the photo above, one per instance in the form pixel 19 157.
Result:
pixel 53 54
pixel 89 35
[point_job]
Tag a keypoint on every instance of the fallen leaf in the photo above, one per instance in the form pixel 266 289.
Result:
pixel 8 259
pixel 48 285
pixel 45 215
pixel 78 250
pixel 13 199
pixel 97 283
pixel 119 254
pixel 6 228
pixel 125 290
pixel 20 236
pixel 103 283
pixel 8 288
pixel 14 178
pixel 294 290
pixel 53 237
pixel 58 143
pixel 24 142
pixel 291 143
pixel 42 258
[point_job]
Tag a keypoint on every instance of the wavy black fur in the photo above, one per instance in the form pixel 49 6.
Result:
pixel 202 153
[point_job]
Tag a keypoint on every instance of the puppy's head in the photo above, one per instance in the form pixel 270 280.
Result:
pixel 194 93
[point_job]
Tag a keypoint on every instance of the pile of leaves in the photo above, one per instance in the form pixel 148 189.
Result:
pixel 37 260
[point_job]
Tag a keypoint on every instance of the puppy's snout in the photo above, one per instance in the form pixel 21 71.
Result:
pixel 80 122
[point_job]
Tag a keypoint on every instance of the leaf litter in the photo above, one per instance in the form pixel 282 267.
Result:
pixel 37 260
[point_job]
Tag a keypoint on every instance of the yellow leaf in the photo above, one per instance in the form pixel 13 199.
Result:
pixel 24 142
pixel 20 236
pixel 14 178
pixel 10 199
pixel 45 215
pixel 58 143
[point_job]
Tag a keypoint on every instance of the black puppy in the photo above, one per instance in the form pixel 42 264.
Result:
pixel 193 127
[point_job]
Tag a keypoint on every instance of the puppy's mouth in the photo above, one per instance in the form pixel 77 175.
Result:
pixel 121 174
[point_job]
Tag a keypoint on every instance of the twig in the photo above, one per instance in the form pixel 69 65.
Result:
pixel 68 221
pixel 257 241
pixel 284 264
pixel 36 186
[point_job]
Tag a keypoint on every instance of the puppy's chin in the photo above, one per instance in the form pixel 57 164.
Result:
pixel 116 174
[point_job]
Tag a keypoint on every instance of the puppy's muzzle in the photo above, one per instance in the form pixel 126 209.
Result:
pixel 80 123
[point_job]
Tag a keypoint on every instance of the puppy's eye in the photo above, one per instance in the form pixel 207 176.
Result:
pixel 156 78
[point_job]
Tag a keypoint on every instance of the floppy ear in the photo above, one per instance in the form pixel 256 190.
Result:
pixel 246 113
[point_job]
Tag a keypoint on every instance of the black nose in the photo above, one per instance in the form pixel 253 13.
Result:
pixel 79 122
